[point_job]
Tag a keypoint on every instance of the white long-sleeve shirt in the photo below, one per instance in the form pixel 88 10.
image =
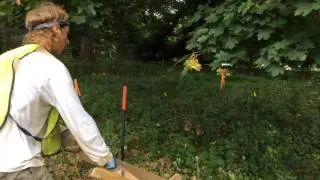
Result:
pixel 42 81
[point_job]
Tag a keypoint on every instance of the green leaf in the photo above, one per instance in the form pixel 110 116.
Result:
pixel 278 23
pixel 241 55
pixel 245 6
pixel 228 16
pixel 296 55
pixel 262 62
pixel 264 34
pixel 231 43
pixel 306 44
pixel 96 24
pixel 214 65
pixel 262 22
pixel 213 18
pixel 303 8
pixel 195 18
pixel 91 10
pixel 217 31
pixel 282 44
pixel 223 56
pixel 217 160
pixel 275 70
pixel 193 45
pixel 236 29
pixel 78 19
pixel 184 72
pixel 200 31
pixel 316 5
pixel 80 10
pixel 202 39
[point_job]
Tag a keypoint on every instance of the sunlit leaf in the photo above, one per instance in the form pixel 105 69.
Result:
pixel 78 19
pixel 275 70
pixel 303 8
pixel 264 34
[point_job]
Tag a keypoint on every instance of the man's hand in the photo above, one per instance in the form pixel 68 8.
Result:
pixel 112 164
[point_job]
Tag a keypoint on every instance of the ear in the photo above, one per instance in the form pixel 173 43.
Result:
pixel 56 29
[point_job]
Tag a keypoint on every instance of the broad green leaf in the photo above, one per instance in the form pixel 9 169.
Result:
pixel 223 56
pixel 262 62
pixel 228 16
pixel 213 18
pixel 78 19
pixel 195 18
pixel 241 55
pixel 96 24
pixel 278 23
pixel 264 34
pixel 245 6
pixel 306 44
pixel 217 160
pixel 217 31
pixel 303 8
pixel 262 22
pixel 275 70
pixel 281 44
pixel 231 43
pixel 214 65
pixel 184 72
pixel 236 29
pixel 261 8
pixel 92 11
pixel 273 54
pixel 80 10
pixel 212 49
pixel 296 55
pixel 193 45
pixel 202 39
pixel 200 31
pixel 316 5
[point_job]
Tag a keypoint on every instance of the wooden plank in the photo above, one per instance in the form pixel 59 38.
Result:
pixel 176 177
pixel 102 173
pixel 129 172
pixel 133 173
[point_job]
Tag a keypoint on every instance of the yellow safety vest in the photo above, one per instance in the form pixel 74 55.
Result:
pixel 51 142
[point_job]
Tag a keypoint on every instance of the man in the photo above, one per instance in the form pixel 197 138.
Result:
pixel 40 82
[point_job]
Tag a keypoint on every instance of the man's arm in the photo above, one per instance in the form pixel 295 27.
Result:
pixel 60 93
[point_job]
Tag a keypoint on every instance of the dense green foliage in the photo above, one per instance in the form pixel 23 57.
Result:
pixel 269 34
pixel 255 128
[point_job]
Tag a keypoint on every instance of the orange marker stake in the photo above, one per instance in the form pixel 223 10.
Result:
pixel 77 87
pixel 124 98
pixel 123 124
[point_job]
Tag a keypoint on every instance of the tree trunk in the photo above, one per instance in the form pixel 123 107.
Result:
pixel 87 50
pixel 120 51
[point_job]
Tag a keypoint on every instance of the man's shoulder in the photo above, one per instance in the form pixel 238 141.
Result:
pixel 43 59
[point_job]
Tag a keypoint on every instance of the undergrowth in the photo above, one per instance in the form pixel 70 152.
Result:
pixel 257 128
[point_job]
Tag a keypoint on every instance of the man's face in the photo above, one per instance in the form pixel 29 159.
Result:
pixel 62 39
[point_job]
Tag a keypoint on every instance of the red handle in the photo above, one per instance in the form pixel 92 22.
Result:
pixel 124 98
